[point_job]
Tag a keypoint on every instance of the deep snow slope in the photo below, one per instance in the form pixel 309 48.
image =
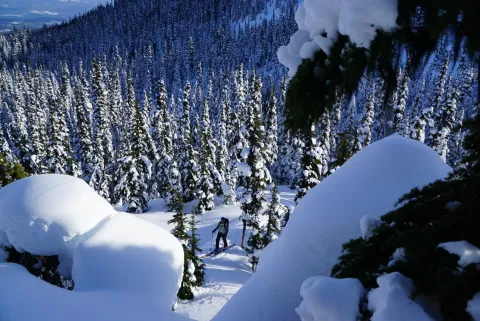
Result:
pixel 370 183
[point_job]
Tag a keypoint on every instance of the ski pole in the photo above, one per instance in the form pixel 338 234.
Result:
pixel 211 243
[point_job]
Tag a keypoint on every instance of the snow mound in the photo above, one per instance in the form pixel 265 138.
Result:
pixel 467 252
pixel 473 307
pixel 129 255
pixel 320 22
pixel 49 214
pixel 391 300
pixel 370 183
pixel 124 268
pixel 330 299
pixel 26 297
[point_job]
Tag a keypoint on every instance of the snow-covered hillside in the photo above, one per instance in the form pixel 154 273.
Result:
pixel 123 246
pixel 370 183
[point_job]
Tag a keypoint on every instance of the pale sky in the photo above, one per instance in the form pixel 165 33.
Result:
pixel 34 13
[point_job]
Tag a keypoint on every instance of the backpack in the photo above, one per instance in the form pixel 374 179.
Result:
pixel 227 224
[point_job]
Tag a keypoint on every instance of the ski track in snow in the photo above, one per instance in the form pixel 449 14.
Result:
pixel 226 272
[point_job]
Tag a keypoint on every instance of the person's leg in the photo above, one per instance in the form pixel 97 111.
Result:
pixel 217 242
pixel 224 237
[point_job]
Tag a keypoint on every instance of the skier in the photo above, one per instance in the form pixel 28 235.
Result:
pixel 222 228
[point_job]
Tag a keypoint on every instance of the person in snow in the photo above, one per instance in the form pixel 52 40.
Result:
pixel 222 228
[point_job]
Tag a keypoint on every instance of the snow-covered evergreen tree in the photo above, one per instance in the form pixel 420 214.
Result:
pixel 421 115
pixel 311 165
pixel 136 168
pixel 60 156
pixel 350 126
pixel 435 137
pixel 365 130
pixel 222 154
pixel 188 167
pixel 162 137
pixel 401 103
pixel 195 250
pixel 83 140
pixel 37 130
pixel 179 222
pixel 271 127
pixel 102 136
pixel 324 144
pixel 335 118
pixel 253 193
pixel 20 127
pixel 446 123
pixel 205 188
pixel 5 149
pixel 274 211
pixel 116 104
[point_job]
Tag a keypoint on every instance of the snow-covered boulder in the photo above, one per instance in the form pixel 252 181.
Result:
pixel 129 255
pixel 49 214
pixel 330 299
pixel 370 183
pixel 26 297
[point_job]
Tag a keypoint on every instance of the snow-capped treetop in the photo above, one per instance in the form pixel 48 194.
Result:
pixel 48 214
pixel 320 22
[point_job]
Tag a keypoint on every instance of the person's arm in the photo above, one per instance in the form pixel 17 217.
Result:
pixel 218 225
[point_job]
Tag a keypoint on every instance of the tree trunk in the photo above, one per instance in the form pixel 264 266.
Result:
pixel 243 232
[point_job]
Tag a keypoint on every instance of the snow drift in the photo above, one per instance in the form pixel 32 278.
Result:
pixel 370 183
pixel 130 255
pixel 25 297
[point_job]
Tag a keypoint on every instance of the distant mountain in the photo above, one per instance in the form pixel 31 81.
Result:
pixel 36 13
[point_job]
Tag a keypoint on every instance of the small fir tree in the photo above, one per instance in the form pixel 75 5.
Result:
pixel 179 230
pixel 311 165
pixel 195 250
pixel 275 211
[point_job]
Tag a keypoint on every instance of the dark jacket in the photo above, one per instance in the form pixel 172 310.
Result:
pixel 222 227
